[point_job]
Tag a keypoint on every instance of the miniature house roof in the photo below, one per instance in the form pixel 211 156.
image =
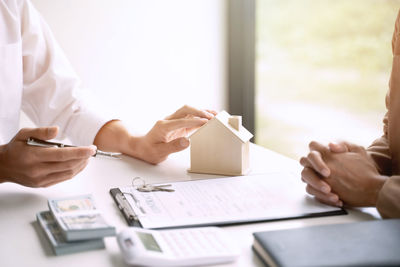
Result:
pixel 223 118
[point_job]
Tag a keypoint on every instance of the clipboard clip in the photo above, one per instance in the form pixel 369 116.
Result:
pixel 123 204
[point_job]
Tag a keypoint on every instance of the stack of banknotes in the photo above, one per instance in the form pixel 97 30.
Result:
pixel 74 224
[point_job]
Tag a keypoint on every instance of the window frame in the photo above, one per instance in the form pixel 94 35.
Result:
pixel 241 42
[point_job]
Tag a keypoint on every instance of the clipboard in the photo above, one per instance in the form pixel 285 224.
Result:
pixel 125 208
pixel 221 201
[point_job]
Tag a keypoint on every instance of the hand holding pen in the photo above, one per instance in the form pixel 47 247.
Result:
pixel 34 166
pixel 37 142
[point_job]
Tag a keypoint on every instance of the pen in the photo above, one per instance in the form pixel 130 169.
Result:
pixel 37 142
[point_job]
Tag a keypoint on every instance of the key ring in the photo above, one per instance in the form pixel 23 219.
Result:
pixel 139 184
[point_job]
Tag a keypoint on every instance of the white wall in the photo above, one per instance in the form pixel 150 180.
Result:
pixel 144 59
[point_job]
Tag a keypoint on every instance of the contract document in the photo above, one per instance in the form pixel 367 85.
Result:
pixel 221 201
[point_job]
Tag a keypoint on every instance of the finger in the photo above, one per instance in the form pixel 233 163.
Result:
pixel 304 162
pixel 58 177
pixel 60 166
pixel 313 145
pixel 55 154
pixel 56 181
pixel 310 177
pixel 345 147
pixel 329 199
pixel 176 145
pixel 171 125
pixel 338 147
pixel 43 133
pixel 317 163
pixel 338 203
pixel 209 114
pixel 354 148
pixel 61 177
pixel 188 110
pixel 212 111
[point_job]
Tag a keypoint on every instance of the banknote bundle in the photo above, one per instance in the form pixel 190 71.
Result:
pixel 74 224
pixel 57 241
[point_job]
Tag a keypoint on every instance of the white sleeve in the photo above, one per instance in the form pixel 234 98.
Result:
pixel 51 90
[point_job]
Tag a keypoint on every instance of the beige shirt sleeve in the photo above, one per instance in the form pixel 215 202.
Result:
pixel 386 150
pixel 388 203
pixel 379 150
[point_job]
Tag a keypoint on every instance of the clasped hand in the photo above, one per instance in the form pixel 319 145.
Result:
pixel 341 174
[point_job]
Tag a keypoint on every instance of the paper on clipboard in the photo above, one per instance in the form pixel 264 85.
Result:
pixel 223 201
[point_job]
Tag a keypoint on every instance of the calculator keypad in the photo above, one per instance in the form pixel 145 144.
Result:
pixel 194 242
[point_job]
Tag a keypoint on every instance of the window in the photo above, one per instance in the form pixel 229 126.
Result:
pixel 322 71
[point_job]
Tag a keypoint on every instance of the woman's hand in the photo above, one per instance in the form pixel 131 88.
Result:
pixel 167 136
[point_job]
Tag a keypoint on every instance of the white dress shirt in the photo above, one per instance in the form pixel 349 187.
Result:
pixel 35 76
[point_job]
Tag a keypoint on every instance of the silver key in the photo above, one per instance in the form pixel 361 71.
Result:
pixel 158 188
pixel 161 187
pixel 154 188
pixel 146 188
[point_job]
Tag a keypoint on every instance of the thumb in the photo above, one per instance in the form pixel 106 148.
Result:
pixel 176 145
pixel 353 147
pixel 345 147
pixel 43 133
pixel 338 147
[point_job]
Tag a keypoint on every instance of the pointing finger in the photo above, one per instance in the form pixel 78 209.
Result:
pixel 211 111
pixel 188 110
pixel 171 125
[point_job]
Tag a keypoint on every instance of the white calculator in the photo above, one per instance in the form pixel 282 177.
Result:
pixel 177 247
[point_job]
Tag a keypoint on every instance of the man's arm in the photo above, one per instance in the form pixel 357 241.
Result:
pixel 379 150
pixel 388 203
pixel 51 97
pixel 52 93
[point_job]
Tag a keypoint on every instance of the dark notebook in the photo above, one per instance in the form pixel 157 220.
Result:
pixel 369 243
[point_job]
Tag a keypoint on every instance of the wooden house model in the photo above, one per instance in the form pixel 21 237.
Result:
pixel 221 146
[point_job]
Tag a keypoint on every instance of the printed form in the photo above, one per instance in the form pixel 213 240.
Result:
pixel 228 200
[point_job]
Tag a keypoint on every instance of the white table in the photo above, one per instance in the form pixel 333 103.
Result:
pixel 22 244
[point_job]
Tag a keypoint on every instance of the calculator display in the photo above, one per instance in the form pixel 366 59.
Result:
pixel 149 242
